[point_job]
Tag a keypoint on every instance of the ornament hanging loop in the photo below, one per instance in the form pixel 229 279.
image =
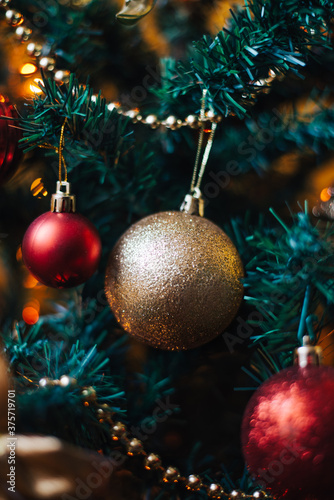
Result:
pixel 194 202
pixel 66 185
pixel 60 152
pixel 62 200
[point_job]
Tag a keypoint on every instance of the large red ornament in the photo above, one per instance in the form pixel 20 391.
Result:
pixel 61 249
pixel 288 434
pixel 10 153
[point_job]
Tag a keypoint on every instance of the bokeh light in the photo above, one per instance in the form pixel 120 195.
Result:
pixel 37 188
pixel 30 281
pixel 30 315
pixel 33 86
pixel 325 194
pixel 28 69
pixel 19 254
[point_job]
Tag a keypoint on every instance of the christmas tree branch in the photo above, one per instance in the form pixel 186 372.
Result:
pixel 289 266
pixel 69 33
pixel 101 138
pixel 99 133
pixel 77 344
pixel 100 147
pixel 265 39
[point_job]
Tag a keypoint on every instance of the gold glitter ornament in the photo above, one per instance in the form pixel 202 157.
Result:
pixel 173 280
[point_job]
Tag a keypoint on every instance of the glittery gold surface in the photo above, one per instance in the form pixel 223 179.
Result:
pixel 173 280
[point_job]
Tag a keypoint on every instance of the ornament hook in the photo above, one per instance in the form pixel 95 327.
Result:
pixel 134 10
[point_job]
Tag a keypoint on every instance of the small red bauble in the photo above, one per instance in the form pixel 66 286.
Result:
pixel 288 434
pixel 61 250
pixel 10 154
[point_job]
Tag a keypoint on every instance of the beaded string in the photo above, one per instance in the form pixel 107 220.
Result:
pixel 47 62
pixel 133 447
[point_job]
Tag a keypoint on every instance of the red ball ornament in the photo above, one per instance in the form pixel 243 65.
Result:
pixel 10 153
pixel 288 434
pixel 61 248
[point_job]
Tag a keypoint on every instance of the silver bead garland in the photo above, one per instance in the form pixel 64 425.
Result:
pixel 47 61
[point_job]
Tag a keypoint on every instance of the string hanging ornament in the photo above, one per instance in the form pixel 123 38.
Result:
pixel 61 248
pixel 173 278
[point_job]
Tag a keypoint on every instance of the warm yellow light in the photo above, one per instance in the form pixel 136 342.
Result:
pixel 33 303
pixel 19 254
pixel 28 69
pixel 325 194
pixel 30 281
pixel 34 86
pixel 37 188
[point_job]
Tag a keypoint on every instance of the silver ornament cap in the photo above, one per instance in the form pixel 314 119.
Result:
pixel 193 204
pixel 307 354
pixel 63 201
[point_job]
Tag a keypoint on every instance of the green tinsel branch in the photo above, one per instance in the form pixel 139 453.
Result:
pixel 100 148
pixel 72 34
pixel 103 139
pixel 266 35
pixel 289 281
pixel 78 342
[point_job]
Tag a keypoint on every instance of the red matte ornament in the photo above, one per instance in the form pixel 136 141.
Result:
pixel 288 434
pixel 61 249
pixel 10 153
